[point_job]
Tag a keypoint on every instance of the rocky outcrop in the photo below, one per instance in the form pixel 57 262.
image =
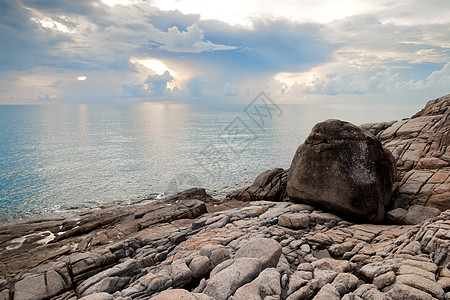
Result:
pixel 250 253
pixel 343 168
pixel 421 147
pixel 29 243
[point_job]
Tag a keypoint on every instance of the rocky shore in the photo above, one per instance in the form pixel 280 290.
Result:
pixel 279 238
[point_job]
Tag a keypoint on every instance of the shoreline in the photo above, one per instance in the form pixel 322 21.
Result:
pixel 57 187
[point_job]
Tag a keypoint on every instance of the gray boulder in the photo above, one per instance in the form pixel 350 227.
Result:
pixel 343 168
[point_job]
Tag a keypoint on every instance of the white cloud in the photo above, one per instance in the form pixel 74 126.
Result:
pixel 370 47
pixel 440 79
pixel 157 84
pixel 238 12
pixel 134 89
pixel 191 41
pixel 197 85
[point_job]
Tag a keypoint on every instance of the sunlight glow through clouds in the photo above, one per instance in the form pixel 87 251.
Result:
pixel 153 64
pixel 159 68
pixel 244 12
pixel 81 78
pixel 116 2
pixel 51 24
pixel 290 79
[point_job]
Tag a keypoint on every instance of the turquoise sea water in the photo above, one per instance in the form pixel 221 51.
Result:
pixel 62 157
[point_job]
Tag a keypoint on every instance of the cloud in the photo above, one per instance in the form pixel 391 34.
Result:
pixel 190 40
pixel 47 98
pixel 231 89
pixel 440 79
pixel 381 48
pixel 269 46
pixel 134 89
pixel 23 45
pixel 80 7
pixel 375 57
pixel 197 85
pixel 157 84
pixel 163 20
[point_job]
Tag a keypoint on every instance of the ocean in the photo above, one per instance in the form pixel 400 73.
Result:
pixel 60 157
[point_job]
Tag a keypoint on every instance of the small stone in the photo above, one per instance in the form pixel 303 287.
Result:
pixel 345 283
pixel 303 293
pixel 432 163
pixel 223 284
pixel 200 266
pixel 338 250
pixel 444 282
pixel 327 292
pixel 374 269
pixel 369 291
pixel 180 273
pixel 266 284
pixel 384 280
pixel 339 266
pixel 412 248
pixel 40 286
pixel 407 269
pixel 267 250
pixel 396 215
pixel 305 248
pixel 296 220
pixel 401 292
pixel 428 266
pixel 422 284
pixel 178 294
pixel 418 213
pixel 297 280
pixel 98 296
pixel 305 267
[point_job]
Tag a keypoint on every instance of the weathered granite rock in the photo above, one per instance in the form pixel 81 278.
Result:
pixel 343 168
pixel 297 220
pixel 267 250
pixel 180 294
pixel 401 291
pixel 42 285
pixel 33 241
pixel 237 260
pixel 418 213
pixel 223 284
pixel 420 146
pixel 265 285
pixel 269 185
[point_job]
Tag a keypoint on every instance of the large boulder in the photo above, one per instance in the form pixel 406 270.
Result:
pixel 343 168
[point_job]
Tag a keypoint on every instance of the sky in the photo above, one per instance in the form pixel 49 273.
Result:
pixel 208 51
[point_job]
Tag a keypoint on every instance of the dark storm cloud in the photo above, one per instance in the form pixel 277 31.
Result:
pixel 23 45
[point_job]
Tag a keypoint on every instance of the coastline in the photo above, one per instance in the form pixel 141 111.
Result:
pixel 192 245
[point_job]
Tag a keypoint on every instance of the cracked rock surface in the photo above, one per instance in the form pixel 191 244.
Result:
pixel 251 256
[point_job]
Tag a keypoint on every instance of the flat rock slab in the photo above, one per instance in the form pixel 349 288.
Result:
pixel 31 242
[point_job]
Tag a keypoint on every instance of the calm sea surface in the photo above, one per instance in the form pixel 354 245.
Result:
pixel 62 157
